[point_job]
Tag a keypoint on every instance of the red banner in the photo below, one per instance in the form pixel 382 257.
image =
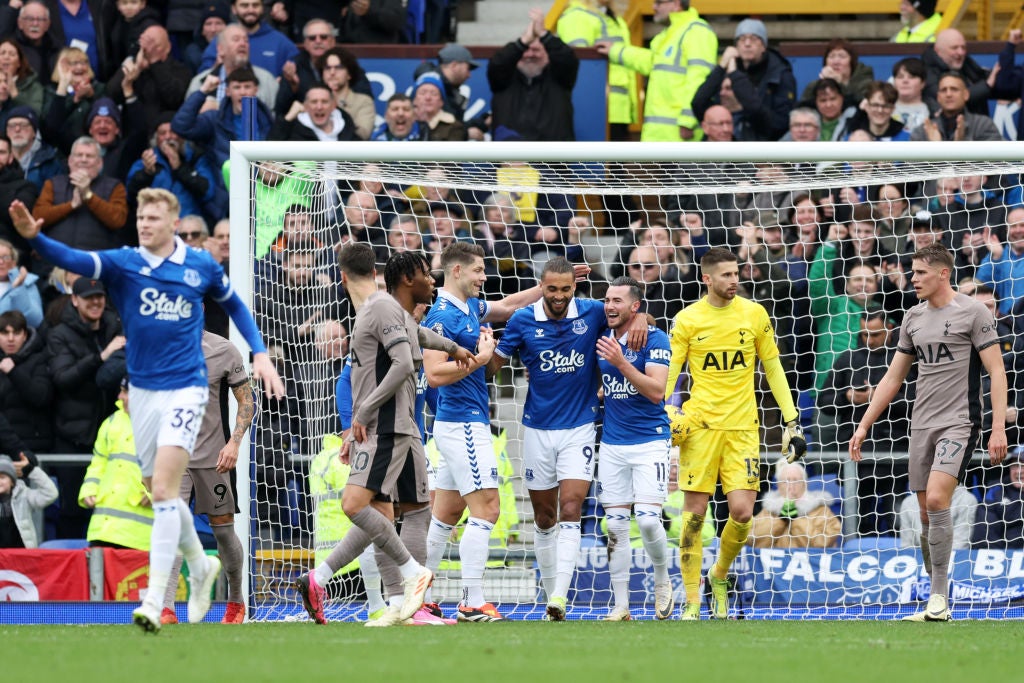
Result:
pixel 125 573
pixel 34 575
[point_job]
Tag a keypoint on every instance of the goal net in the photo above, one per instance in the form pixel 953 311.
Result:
pixel 824 234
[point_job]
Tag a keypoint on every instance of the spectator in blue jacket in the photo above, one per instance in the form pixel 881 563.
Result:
pixel 215 130
pixel 1010 76
pixel 1003 269
pixel 18 291
pixel 270 48
pixel 762 83
pixel 1000 517
pixel 39 160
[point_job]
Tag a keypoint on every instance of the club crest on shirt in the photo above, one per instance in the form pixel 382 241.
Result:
pixel 630 355
pixel 579 326
pixel 438 327
pixel 191 278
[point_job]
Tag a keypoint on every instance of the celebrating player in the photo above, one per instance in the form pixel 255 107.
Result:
pixel 158 288
pixel 947 334
pixel 468 474
pixel 556 338
pixel 634 446
pixel 718 338
pixel 210 471
pixel 385 355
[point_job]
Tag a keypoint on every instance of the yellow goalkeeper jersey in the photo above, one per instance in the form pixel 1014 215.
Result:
pixel 720 345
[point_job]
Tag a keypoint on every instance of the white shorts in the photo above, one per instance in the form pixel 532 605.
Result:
pixel 634 473
pixel 551 455
pixel 165 418
pixel 467 461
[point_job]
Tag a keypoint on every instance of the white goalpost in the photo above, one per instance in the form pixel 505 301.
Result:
pixel 823 231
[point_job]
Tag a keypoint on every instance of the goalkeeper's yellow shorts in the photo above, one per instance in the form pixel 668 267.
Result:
pixel 712 454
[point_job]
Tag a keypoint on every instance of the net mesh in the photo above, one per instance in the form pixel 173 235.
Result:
pixel 820 243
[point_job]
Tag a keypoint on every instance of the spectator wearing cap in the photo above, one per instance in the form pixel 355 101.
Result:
pixel 84 209
pixel 88 337
pixel 949 53
pixel 532 79
pixel 18 291
pixel 925 229
pixel 24 84
pixel 428 107
pixel 316 118
pixel 215 129
pixel 920 22
pixel 342 74
pixel 172 163
pixel 454 64
pixel 1000 517
pixel 762 83
pixel 956 119
pixel 20 498
pixel 233 51
pixel 122 512
pixel 372 21
pixel 39 161
pixel 199 31
pixel 26 389
pixel 156 78
pixel 271 49
pixel 14 186
pixel 583 24
pixel 112 132
pixel 400 122
pixel 32 32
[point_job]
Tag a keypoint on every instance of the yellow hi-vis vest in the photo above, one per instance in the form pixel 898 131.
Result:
pixel 327 479
pixel 677 63
pixel 115 479
pixel 922 33
pixel 582 26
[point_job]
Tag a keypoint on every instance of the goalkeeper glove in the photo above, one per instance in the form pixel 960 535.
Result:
pixel 794 445
pixel 679 425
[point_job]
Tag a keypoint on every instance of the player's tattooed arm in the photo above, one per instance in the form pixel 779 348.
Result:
pixel 228 456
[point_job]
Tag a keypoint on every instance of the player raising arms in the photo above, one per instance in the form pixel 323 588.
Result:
pixel 718 338
pixel 385 355
pixel 634 446
pixel 158 289
pixel 951 336
pixel 556 338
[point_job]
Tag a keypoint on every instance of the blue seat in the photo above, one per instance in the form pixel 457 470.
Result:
pixel 867 543
pixel 65 544
pixel 829 483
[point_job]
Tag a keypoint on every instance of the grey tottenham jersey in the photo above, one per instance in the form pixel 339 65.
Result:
pixel 946 343
pixel 223 362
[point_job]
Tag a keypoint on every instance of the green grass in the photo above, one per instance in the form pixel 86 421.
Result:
pixel 570 652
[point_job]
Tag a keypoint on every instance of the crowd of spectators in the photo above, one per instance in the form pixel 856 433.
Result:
pixel 95 107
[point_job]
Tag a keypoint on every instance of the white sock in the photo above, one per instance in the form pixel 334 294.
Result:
pixel 437 540
pixel 163 546
pixel 568 552
pixel 648 518
pixel 620 554
pixel 188 541
pixel 473 550
pixel 371 580
pixel 323 573
pixel 410 569
pixel 546 550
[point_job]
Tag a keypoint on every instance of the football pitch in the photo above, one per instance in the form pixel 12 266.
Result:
pixel 570 652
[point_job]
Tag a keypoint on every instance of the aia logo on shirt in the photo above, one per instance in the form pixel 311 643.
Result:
pixel 162 307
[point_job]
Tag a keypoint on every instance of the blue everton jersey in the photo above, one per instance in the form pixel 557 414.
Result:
pixel 562 359
pixel 161 307
pixel 466 400
pixel 629 416
pixel 343 398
